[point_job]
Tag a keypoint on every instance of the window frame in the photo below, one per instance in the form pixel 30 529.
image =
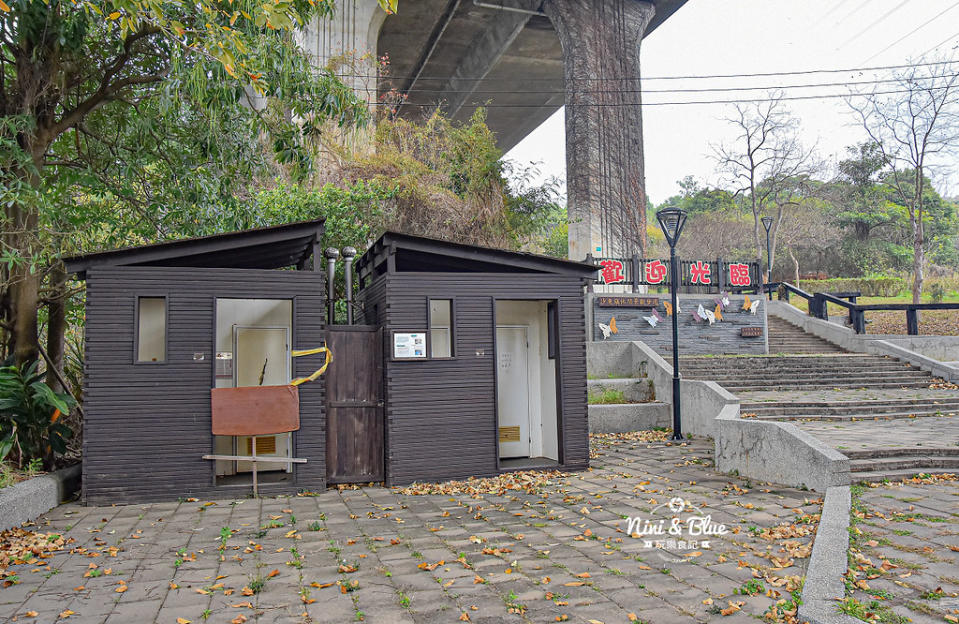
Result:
pixel 136 329
pixel 429 328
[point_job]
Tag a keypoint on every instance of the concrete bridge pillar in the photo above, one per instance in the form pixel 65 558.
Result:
pixel 346 43
pixel 605 177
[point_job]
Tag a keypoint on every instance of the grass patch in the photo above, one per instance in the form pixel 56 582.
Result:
pixel 606 397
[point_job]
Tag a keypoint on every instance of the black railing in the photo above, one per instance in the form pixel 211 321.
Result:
pixel 696 276
pixel 819 304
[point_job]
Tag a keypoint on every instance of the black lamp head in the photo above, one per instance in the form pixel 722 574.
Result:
pixel 672 220
pixel 767 223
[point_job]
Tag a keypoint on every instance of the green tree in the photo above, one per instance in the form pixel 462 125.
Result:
pixel 63 62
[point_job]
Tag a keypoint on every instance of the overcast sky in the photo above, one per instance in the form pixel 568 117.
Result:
pixel 709 37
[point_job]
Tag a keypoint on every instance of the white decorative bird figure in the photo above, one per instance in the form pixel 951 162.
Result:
pixel 606 330
pixel 710 316
pixel 701 312
pixel 652 320
pixel 754 306
pixel 725 301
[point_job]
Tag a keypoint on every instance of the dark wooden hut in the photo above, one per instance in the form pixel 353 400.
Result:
pixel 472 362
pixel 166 323
pixel 485 358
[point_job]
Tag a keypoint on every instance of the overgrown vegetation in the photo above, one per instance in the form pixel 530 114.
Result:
pixel 30 413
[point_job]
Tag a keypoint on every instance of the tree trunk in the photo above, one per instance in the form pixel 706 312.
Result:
pixel 918 242
pixel 795 266
pixel 24 286
pixel 56 325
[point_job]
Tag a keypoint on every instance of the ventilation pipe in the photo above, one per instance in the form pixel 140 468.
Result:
pixel 348 254
pixel 331 253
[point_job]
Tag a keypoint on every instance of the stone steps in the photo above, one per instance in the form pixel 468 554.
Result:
pixel 845 417
pixel 902 451
pixel 879 407
pixel 734 388
pixel 894 464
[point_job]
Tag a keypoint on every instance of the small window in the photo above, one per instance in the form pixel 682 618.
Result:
pixel 151 329
pixel 441 328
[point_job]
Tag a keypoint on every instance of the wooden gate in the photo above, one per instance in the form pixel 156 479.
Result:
pixel 354 405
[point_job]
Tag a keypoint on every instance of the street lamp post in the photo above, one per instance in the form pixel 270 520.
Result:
pixel 768 223
pixel 672 220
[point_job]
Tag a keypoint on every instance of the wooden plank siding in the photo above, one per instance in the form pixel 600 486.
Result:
pixel 441 414
pixel 147 425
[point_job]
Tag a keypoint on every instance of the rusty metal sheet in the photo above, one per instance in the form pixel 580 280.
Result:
pixel 255 410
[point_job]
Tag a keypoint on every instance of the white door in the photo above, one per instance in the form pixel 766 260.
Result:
pixel 512 391
pixel 262 358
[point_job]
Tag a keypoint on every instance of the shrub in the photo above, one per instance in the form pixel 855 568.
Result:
pixel 29 415
pixel 868 286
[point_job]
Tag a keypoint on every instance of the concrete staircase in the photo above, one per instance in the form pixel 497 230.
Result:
pixel 848 411
pixel 804 372
pixel 809 369
pixel 784 337
pixel 614 375
pixel 895 464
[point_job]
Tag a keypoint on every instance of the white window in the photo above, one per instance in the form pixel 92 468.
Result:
pixel 151 329
pixel 441 328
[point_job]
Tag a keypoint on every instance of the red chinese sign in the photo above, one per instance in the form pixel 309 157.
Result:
pixel 655 272
pixel 699 273
pixel 612 272
pixel 739 274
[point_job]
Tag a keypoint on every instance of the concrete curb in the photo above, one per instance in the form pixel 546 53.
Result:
pixel 823 586
pixel 27 500
pixel 756 449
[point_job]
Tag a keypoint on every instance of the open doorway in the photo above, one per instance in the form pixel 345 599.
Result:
pixel 253 338
pixel 528 423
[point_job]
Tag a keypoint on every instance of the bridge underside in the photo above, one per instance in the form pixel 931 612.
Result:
pixel 460 55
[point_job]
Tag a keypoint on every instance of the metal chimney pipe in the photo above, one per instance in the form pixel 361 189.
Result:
pixel 348 254
pixel 331 253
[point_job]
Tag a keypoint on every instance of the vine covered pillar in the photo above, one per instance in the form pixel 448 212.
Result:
pixel 605 176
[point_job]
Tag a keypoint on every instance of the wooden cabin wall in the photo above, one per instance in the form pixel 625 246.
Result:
pixel 147 425
pixel 441 419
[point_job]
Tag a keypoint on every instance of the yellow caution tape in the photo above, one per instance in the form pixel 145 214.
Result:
pixel 319 371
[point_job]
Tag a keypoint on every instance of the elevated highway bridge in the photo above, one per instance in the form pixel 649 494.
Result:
pixel 525 59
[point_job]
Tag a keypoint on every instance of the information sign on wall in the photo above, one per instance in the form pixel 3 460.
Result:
pixel 409 345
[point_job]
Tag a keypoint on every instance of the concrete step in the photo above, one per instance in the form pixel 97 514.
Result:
pixel 847 417
pixel 902 451
pixel 625 417
pixel 799 375
pixel 847 407
pixel 787 405
pixel 634 389
pixel 829 386
pixel 915 463
pixel 896 475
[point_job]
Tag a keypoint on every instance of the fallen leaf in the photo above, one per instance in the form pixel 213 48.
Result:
pixel 583 575
pixel 67 613
pixel 240 619
pixel 272 574
pixel 31 614
pixel 247 604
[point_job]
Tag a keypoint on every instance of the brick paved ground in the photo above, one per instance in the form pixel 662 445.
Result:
pixel 905 552
pixel 559 552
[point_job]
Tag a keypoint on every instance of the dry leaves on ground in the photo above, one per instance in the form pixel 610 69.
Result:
pixel 529 481
pixel 18 546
